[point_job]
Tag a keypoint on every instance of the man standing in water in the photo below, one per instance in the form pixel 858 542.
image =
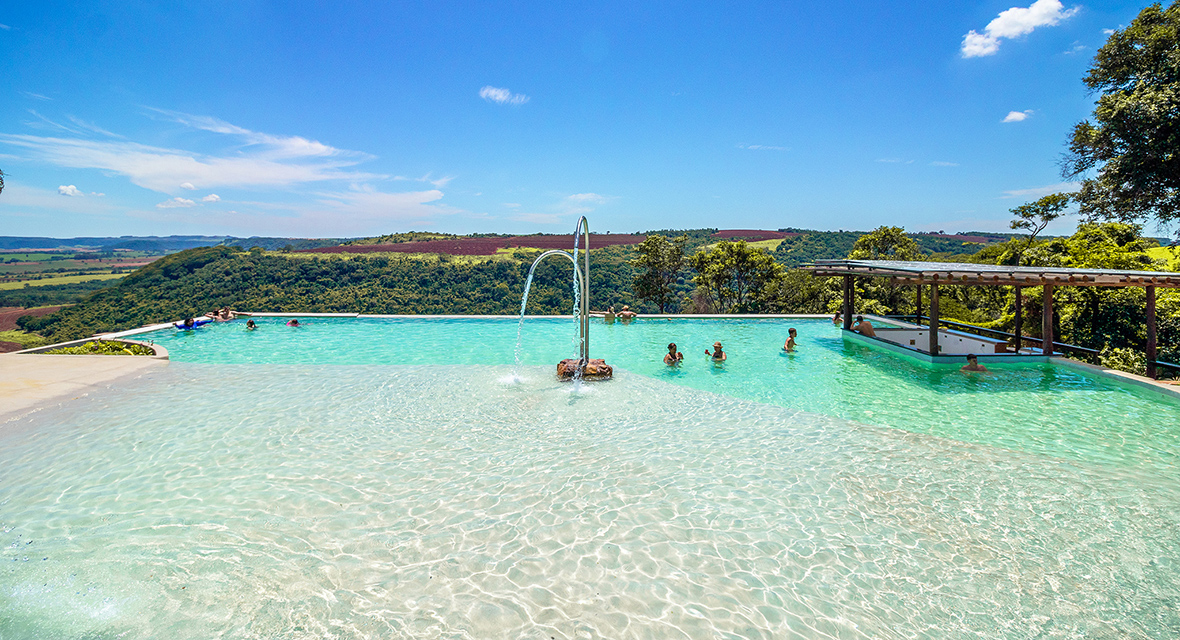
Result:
pixel 972 364
pixel 717 354
pixel 864 327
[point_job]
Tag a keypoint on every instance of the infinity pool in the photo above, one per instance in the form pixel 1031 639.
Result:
pixel 392 479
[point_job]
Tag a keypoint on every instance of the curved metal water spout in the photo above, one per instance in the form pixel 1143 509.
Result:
pixel 581 296
pixel 584 325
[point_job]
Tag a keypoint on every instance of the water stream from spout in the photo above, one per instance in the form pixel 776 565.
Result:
pixel 524 301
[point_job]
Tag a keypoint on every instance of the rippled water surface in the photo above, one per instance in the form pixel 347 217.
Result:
pixel 301 499
pixel 1040 409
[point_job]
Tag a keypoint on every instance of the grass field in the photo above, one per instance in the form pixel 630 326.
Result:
pixel 767 245
pixel 25 340
pixel 19 284
pixel 1169 255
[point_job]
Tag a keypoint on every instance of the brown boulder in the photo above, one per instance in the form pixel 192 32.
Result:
pixel 595 369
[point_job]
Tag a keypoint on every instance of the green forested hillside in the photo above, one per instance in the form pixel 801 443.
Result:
pixel 194 281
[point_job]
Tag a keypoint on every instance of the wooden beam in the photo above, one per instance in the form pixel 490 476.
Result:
pixel 1019 319
pixel 918 320
pixel 1170 284
pixel 1151 373
pixel 1047 320
pixel 934 319
pixel 847 302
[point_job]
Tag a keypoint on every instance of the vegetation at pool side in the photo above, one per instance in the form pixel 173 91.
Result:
pixel 104 348
pixel 23 338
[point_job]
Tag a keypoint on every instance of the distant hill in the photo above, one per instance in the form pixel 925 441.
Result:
pixel 160 244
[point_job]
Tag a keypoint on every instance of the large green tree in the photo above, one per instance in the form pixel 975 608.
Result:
pixel 660 262
pixel 885 243
pixel 733 275
pixel 878 295
pixel 1129 153
pixel 1035 216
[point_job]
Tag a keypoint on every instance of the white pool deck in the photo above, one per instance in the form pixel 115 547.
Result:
pixel 30 381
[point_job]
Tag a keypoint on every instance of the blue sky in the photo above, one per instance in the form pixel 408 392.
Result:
pixel 345 119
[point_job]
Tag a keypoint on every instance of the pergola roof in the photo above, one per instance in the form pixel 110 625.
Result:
pixel 903 272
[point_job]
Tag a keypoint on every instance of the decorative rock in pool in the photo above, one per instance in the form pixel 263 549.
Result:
pixel 595 369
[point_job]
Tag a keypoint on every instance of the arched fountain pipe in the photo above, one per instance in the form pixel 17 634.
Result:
pixel 581 290
pixel 524 300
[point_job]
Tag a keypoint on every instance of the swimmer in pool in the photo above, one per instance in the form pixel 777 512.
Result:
pixel 717 354
pixel 972 364
pixel 250 326
pixel 673 356
pixel 293 322
pixel 789 346
pixel 864 327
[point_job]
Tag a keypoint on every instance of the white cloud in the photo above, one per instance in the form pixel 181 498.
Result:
pixel 939 163
pixel 587 197
pixel 1017 116
pixel 1075 49
pixel 895 161
pixel 18 197
pixel 35 96
pixel 276 165
pixel 512 205
pixel 90 126
pixel 69 190
pixel 163 170
pixel 1039 192
pixel 1108 32
pixel 188 186
pixel 45 123
pixel 538 218
pixel 438 182
pixel 761 147
pixel 502 96
pixel 1013 23
pixel 176 203
pixel 5 27
pixel 581 203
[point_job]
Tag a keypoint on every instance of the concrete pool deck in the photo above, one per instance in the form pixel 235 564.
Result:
pixel 30 381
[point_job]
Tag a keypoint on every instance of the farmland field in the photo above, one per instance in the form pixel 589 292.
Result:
pixel 41 282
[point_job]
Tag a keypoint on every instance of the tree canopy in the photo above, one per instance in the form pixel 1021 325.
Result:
pixel 661 260
pixel 733 275
pixel 1133 140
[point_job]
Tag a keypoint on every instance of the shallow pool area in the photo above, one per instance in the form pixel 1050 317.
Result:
pixel 418 484
pixel 1037 408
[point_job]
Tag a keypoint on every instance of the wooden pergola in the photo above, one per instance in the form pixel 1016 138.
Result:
pixel 961 273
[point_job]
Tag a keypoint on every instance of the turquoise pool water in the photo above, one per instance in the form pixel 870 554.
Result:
pixel 1034 408
pixel 251 489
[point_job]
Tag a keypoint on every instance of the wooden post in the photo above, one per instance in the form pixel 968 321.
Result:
pixel 848 302
pixel 934 319
pixel 1019 319
pixel 918 319
pixel 1047 320
pixel 1151 373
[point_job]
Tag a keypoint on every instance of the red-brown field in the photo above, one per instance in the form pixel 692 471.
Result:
pixel 753 234
pixel 483 246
